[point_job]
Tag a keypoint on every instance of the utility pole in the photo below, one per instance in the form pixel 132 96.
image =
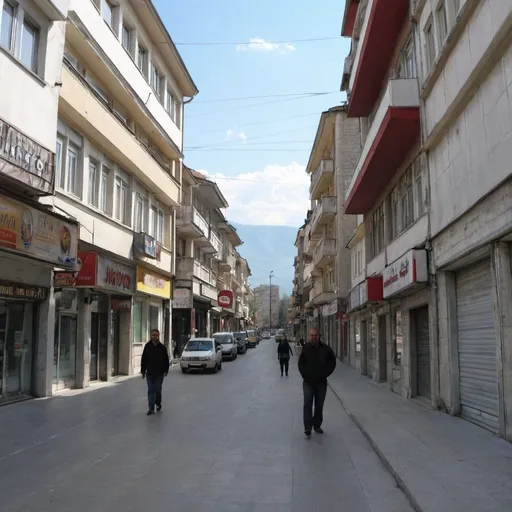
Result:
pixel 270 301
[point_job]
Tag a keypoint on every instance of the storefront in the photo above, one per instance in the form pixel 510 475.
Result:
pixel 149 309
pixel 181 318
pixel 404 287
pixel 225 301
pixel 330 326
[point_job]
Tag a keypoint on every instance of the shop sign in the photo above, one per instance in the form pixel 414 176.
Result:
pixel 83 277
pixel 330 309
pixel 225 299
pixel 22 291
pixel 372 290
pixel 146 246
pixel 355 297
pixel 115 276
pixel 24 160
pixel 37 233
pixel 182 298
pixel 410 269
pixel 121 304
pixel 153 283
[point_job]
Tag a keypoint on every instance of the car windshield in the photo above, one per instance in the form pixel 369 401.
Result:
pixel 240 335
pixel 198 346
pixel 251 333
pixel 224 339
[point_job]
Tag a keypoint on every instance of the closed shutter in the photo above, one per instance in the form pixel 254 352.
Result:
pixel 477 346
pixel 423 351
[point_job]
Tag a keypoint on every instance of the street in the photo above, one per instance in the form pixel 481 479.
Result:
pixel 227 442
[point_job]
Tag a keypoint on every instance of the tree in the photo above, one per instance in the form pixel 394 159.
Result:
pixel 284 304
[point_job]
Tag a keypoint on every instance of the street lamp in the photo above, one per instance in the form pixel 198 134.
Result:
pixel 270 300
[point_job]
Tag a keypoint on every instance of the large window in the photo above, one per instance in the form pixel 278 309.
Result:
pixel 107 11
pixel 173 107
pixel 357 334
pixel 126 38
pixel 406 64
pixel 141 59
pixel 430 43
pixel 121 208
pixel 406 199
pixel 378 231
pixel 358 261
pixel 141 208
pixel 98 185
pixel 29 45
pixel 160 227
pixel 156 81
pixel 442 23
pixel 7 26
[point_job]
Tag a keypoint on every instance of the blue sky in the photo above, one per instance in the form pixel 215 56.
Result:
pixel 267 186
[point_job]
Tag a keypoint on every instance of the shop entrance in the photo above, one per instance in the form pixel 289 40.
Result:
pixel 114 370
pixel 383 362
pixel 64 353
pixel 15 347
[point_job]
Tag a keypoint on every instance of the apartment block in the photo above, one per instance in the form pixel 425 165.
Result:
pixel 267 305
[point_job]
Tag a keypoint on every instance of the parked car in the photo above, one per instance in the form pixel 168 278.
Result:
pixel 241 340
pixel 265 335
pixel 201 354
pixel 252 339
pixel 229 346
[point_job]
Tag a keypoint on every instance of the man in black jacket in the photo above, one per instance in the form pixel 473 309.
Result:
pixel 154 366
pixel 316 363
pixel 284 351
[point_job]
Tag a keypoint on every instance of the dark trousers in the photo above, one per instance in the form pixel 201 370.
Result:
pixel 284 363
pixel 154 390
pixel 314 393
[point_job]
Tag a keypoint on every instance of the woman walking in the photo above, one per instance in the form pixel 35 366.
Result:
pixel 284 351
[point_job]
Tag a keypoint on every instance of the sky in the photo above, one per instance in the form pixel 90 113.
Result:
pixel 257 149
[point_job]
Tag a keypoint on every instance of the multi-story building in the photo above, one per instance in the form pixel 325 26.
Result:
pixel 267 305
pixel 33 239
pixel 119 147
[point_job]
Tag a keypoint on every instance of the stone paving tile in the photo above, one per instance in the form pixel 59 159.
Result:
pixel 224 443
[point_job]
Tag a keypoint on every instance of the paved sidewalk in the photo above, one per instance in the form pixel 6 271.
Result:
pixel 443 463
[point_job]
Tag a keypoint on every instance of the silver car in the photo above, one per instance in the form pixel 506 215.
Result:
pixel 228 343
pixel 201 354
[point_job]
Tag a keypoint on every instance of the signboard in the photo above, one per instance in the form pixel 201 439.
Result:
pixel 22 291
pixel 355 297
pixel 37 233
pixel 225 299
pixel 115 276
pixel 121 304
pixel 145 246
pixel 408 270
pixel 83 277
pixel 24 160
pixel 182 298
pixel 153 284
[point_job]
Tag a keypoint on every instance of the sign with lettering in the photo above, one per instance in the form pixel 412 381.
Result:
pixel 38 233
pixel 145 246
pixel 115 276
pixel 225 299
pixel 153 284
pixel 408 270
pixel 84 275
pixel 24 160
pixel 22 291
pixel 182 298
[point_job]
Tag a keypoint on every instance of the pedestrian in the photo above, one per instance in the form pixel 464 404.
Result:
pixel 154 367
pixel 316 363
pixel 283 354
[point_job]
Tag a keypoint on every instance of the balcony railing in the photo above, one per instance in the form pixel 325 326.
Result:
pixel 216 242
pixel 325 252
pixel 324 213
pixel 321 179
pixel 186 268
pixel 228 261
pixel 190 220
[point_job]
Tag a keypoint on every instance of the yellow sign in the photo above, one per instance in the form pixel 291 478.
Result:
pixel 153 284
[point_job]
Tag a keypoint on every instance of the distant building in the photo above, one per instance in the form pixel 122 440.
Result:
pixel 263 296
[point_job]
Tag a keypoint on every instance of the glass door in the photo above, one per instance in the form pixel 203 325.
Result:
pixel 65 351
pixel 95 338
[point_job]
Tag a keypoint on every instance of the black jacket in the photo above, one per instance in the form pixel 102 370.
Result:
pixel 284 350
pixel 316 363
pixel 155 359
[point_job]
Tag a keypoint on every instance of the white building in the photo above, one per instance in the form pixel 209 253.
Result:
pixel 118 172
pixel 32 239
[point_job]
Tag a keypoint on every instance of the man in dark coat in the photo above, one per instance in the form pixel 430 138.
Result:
pixel 283 354
pixel 316 363
pixel 154 367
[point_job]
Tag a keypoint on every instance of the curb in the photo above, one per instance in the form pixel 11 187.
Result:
pixel 387 464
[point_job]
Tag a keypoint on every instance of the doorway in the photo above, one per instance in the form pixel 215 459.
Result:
pixel 94 362
pixel 114 369
pixel 383 363
pixel 64 356
pixel 364 348
pixel 422 337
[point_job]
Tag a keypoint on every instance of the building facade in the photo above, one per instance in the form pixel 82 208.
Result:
pixel 267 305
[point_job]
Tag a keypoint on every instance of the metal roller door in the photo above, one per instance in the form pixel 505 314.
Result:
pixel 422 352
pixel 477 346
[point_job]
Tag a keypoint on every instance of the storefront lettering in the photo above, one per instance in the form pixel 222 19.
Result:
pixel 46 223
pixel 21 291
pixel 7 221
pixel 154 282
pixel 118 279
pixel 397 275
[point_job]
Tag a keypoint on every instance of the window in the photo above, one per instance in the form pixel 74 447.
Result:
pixel 397 337
pixel 141 58
pixel 357 333
pixel 98 185
pixel 153 221
pixel 93 179
pixel 58 161
pixel 121 201
pixel 442 23
pixel 7 27
pixel 156 80
pixel 456 7
pixel 406 200
pixel 29 45
pixel 160 227
pixel 70 181
pixel 96 88
pixel 173 107
pixel 126 38
pixel 430 44
pixel 137 322
pixel 103 195
pixel 107 10
pixel 377 238
pixel 406 67
pixel 154 317
pixel 419 185
pixel 395 212
pixel 141 208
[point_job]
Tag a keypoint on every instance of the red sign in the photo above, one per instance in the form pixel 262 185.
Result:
pixel 87 264
pixel 374 289
pixel 225 299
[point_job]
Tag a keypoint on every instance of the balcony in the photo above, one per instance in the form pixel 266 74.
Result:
pixel 228 262
pixel 191 224
pixel 322 179
pixel 187 268
pixel 392 135
pixel 216 243
pixel 324 213
pixel 323 297
pixel 379 36
pixel 325 253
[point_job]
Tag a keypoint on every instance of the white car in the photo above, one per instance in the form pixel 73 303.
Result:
pixel 229 346
pixel 201 354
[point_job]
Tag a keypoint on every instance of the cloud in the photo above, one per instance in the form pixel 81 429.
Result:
pixel 257 44
pixel 275 196
pixel 231 135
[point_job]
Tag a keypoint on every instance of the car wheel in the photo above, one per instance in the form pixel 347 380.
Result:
pixel 184 370
pixel 216 369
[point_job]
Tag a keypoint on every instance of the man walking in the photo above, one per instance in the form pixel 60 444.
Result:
pixel 283 354
pixel 316 363
pixel 154 366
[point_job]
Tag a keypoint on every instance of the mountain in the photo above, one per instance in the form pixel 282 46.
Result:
pixel 269 248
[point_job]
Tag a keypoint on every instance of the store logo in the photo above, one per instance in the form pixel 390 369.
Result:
pixel 397 274
pixel 225 298
pixel 118 279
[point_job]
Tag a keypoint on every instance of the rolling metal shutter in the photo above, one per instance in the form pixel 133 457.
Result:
pixel 477 346
pixel 423 351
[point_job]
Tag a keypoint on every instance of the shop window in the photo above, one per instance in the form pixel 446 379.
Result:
pixel 397 337
pixel 357 333
pixel 137 322
pixel 154 317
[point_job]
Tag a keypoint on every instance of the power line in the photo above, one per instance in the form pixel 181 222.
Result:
pixel 238 98
pixel 245 43
pixel 213 178
pixel 264 143
pixel 249 149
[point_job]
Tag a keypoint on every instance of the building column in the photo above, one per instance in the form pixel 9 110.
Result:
pixel 83 341
pixel 502 284
pixel 106 348
pixel 42 385
pixel 126 340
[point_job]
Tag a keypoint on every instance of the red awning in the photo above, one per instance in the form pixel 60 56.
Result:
pixel 397 134
pixel 382 32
